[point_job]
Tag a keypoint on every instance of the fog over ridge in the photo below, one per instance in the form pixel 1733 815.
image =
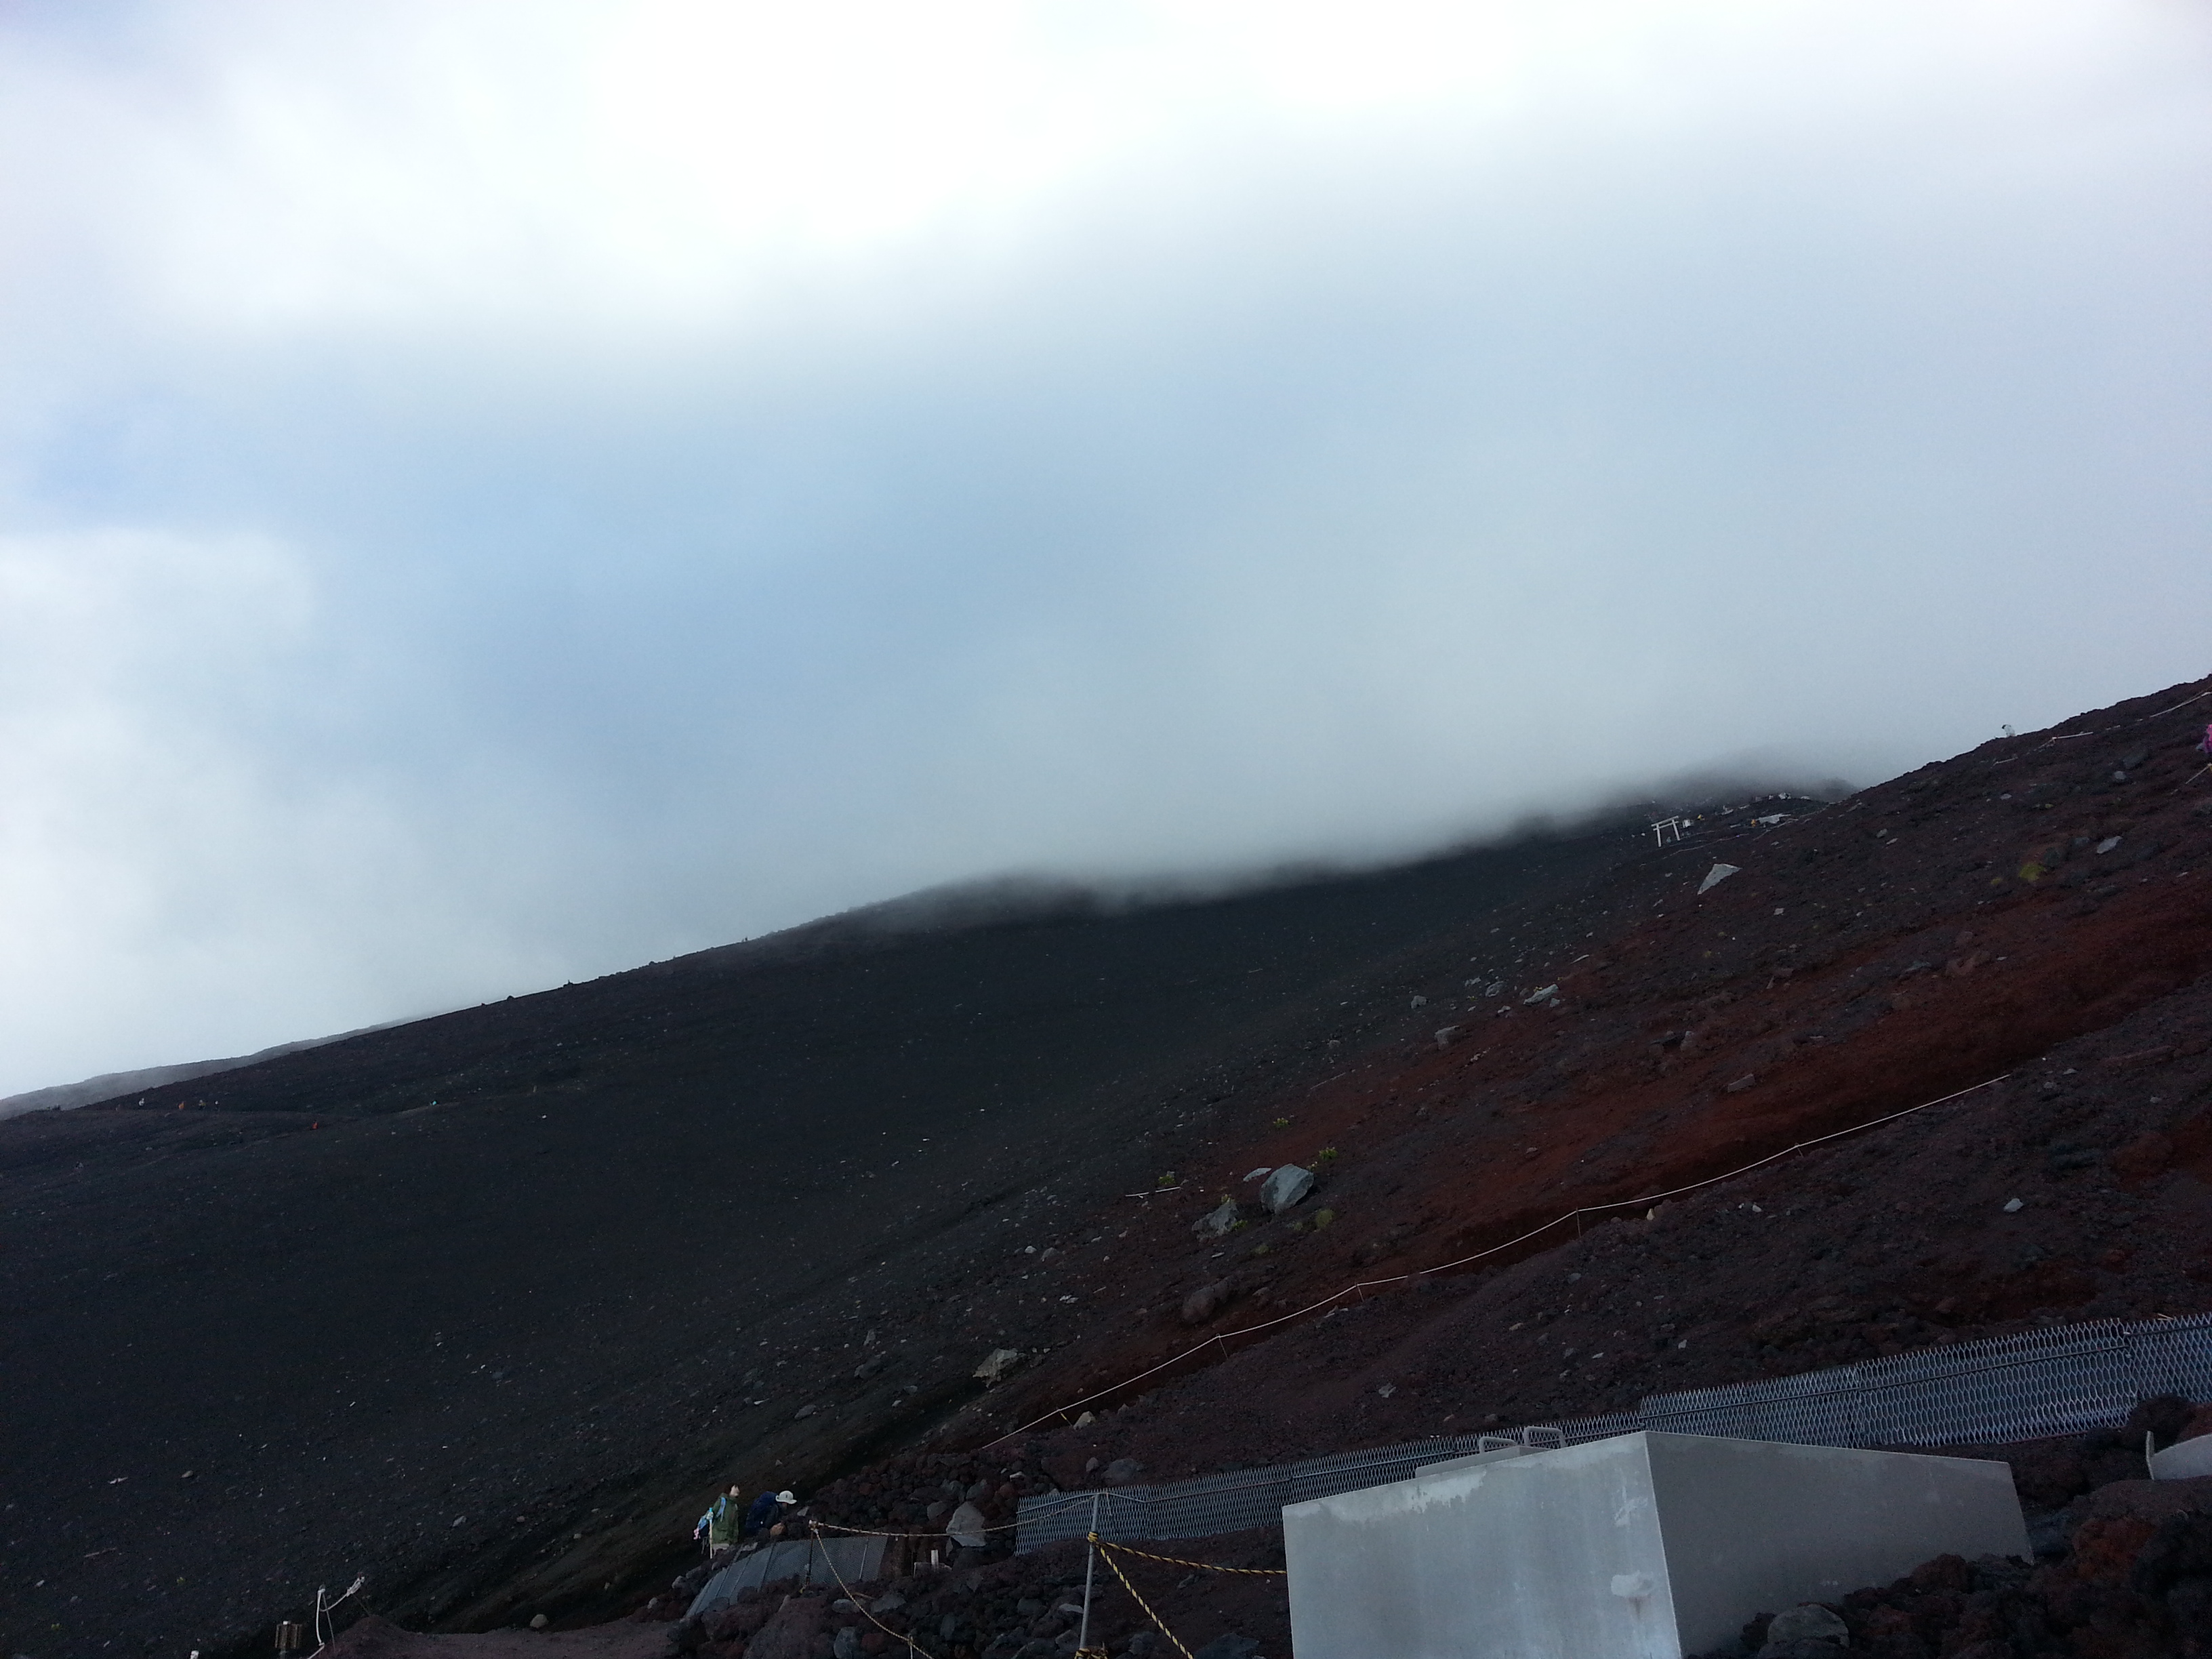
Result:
pixel 513 493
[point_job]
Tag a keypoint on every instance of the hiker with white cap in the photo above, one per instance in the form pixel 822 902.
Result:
pixel 767 1511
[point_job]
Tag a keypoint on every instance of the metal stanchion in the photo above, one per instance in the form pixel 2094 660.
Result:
pixel 1089 1566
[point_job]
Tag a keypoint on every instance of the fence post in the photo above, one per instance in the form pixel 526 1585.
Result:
pixel 1090 1565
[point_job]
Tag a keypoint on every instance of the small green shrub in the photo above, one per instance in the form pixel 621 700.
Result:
pixel 1323 1218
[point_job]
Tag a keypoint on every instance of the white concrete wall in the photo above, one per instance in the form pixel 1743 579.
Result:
pixel 1643 1547
pixel 1516 1558
pixel 1754 1526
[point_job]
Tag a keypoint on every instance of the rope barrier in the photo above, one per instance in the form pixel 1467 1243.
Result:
pixel 1158 1623
pixel 323 1609
pixel 864 1532
pixel 1221 1339
pixel 1203 1566
pixel 865 1611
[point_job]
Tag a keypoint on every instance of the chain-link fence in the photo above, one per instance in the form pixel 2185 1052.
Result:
pixel 2059 1380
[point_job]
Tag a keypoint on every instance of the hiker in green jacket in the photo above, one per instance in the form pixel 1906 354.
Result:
pixel 722 1519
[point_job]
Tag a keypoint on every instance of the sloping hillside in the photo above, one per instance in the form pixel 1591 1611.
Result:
pixel 548 1272
pixel 478 1305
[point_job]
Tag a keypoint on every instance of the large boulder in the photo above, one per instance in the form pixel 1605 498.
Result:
pixel 1284 1187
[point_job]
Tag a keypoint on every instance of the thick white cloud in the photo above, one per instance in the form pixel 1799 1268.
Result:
pixel 178 863
pixel 503 491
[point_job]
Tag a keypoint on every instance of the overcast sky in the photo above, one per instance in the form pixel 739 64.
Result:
pixel 496 491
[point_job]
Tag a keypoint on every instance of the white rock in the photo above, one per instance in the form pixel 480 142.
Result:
pixel 1288 1185
pixel 1216 1221
pixel 967 1526
pixel 1717 875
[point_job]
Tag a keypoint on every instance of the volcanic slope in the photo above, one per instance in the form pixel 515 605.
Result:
pixel 483 1305
pixel 2022 935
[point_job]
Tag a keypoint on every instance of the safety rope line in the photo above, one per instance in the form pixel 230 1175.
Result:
pixel 1203 1566
pixel 831 1561
pixel 1114 1567
pixel 863 1532
pixel 1221 1339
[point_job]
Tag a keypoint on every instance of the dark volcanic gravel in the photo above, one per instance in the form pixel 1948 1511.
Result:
pixel 484 1307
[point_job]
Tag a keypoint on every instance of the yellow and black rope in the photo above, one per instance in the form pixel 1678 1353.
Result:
pixel 1203 1566
pixel 1157 1622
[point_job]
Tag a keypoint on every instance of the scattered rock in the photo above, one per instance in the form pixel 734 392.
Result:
pixel 1445 1034
pixel 1216 1222
pixel 997 1363
pixel 1740 1083
pixel 539 1621
pixel 1286 1185
pixel 968 1527
pixel 846 1644
pixel 1808 1632
pixel 1420 1002
pixel 2012 1206
pixel 1717 875
pixel 1122 1471
pixel 1207 1300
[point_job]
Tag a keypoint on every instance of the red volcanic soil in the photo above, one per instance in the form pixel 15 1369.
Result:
pixel 1956 928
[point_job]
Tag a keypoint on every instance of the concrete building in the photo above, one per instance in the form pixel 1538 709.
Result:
pixel 1646 1546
